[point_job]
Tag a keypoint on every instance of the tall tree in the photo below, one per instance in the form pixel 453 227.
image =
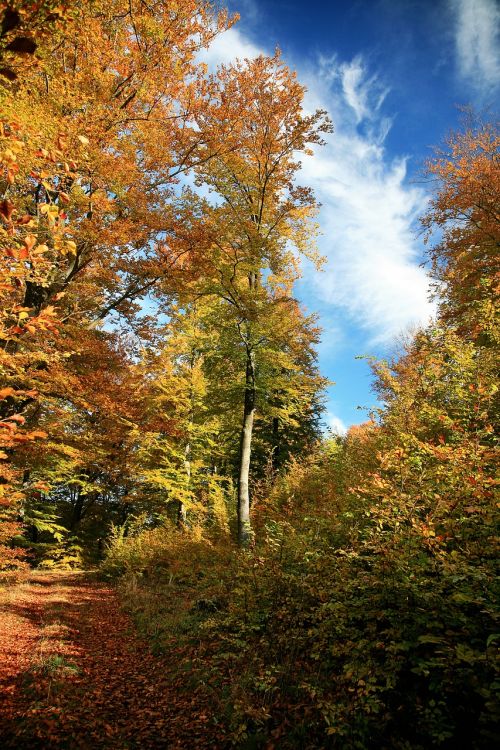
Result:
pixel 111 88
pixel 33 243
pixel 256 108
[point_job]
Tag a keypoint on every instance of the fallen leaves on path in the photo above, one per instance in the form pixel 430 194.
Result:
pixel 74 674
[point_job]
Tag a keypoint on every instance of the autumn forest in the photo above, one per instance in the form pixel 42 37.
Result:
pixel 187 558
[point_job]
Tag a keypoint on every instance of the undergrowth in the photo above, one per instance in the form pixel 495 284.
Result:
pixel 317 638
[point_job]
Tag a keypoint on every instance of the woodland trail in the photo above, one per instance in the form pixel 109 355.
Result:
pixel 74 674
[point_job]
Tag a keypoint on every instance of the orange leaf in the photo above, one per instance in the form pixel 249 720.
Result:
pixel 17 418
pixel 30 241
pixel 6 392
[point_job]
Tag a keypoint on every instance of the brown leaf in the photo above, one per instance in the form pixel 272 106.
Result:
pixel 6 209
pixel 30 241
pixel 17 418
pixel 6 392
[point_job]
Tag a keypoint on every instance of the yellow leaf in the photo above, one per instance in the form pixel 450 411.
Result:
pixel 70 247
pixel 40 249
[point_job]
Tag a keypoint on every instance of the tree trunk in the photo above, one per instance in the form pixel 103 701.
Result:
pixel 244 527
pixel 275 450
pixel 181 510
pixel 77 510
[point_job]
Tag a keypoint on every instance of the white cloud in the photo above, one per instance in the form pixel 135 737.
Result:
pixel 227 47
pixel 361 92
pixel 335 424
pixel 368 210
pixel 477 40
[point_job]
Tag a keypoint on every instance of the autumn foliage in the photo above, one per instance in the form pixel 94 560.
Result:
pixel 160 402
pixel 367 613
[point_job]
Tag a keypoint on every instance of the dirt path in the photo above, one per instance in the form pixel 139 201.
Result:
pixel 73 674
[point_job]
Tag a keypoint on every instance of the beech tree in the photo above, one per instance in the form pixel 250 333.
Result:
pixel 97 124
pixel 465 209
pixel 119 109
pixel 177 439
pixel 256 108
pixel 26 259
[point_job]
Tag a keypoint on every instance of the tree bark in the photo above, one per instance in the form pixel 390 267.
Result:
pixel 244 527
pixel 77 510
pixel 275 450
pixel 181 510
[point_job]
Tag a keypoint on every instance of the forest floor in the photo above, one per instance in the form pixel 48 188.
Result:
pixel 74 673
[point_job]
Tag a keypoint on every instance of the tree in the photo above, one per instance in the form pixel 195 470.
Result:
pixel 256 109
pixel 32 243
pixel 98 123
pixel 177 440
pixel 429 495
pixel 118 108
pixel 465 210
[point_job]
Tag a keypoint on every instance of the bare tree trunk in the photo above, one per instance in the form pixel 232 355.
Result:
pixel 244 527
pixel 275 450
pixel 181 511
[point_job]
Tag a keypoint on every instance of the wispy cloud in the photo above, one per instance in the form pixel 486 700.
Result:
pixel 368 209
pixel 365 95
pixel 477 41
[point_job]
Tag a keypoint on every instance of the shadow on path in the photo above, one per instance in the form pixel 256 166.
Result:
pixel 74 674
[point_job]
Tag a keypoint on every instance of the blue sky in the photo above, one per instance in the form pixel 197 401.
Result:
pixel 392 74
